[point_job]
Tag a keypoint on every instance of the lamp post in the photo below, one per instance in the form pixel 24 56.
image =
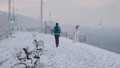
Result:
pixel 76 34
pixel 9 10
pixel 50 15
pixel 41 14
pixel 77 28
pixel 13 10
pixel 10 19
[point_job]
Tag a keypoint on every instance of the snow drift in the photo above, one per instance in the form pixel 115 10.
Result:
pixel 67 55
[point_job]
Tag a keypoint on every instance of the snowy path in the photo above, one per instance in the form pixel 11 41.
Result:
pixel 67 55
pixel 70 55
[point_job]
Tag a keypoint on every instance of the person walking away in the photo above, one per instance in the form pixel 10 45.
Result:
pixel 57 31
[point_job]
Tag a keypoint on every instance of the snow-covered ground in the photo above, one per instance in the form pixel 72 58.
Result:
pixel 67 55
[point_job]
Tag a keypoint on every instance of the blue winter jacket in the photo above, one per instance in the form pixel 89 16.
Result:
pixel 58 29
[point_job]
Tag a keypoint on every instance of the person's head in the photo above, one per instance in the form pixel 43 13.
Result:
pixel 56 24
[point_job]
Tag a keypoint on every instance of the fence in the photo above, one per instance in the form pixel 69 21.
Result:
pixel 48 30
pixel 82 38
pixel 5 34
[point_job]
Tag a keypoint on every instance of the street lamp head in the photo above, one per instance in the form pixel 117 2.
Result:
pixel 77 26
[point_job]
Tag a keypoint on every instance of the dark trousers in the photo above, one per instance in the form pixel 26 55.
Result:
pixel 57 40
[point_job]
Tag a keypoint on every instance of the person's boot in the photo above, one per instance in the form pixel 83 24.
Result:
pixel 56 45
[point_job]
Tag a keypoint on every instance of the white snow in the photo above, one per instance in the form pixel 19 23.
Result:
pixel 67 55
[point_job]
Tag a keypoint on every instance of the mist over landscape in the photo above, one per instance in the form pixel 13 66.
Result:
pixel 59 34
pixel 106 38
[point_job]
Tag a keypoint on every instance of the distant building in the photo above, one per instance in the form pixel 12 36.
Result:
pixel 100 26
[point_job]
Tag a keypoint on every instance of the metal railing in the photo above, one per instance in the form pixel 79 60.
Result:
pixel 5 34
pixel 48 30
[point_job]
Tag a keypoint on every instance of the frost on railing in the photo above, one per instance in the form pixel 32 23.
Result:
pixel 6 34
pixel 3 35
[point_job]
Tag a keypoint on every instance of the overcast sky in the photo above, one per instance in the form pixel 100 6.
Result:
pixel 72 12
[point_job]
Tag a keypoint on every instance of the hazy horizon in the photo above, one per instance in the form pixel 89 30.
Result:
pixel 78 12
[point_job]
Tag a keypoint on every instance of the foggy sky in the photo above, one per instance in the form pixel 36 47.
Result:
pixel 72 12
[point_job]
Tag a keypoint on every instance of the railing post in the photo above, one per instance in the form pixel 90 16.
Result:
pixel 66 34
